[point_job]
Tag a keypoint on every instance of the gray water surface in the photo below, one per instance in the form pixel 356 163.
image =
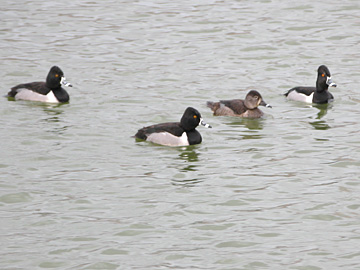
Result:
pixel 78 192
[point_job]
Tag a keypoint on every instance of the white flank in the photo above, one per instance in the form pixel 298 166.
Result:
pixel 165 138
pixel 26 94
pixel 293 95
pixel 50 97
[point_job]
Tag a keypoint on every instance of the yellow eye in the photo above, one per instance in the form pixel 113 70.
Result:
pixel 56 75
pixel 195 116
pixel 323 75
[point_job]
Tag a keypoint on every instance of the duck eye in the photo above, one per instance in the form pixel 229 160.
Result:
pixel 56 75
pixel 195 116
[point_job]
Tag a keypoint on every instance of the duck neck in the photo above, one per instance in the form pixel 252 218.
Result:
pixel 249 105
pixel 321 86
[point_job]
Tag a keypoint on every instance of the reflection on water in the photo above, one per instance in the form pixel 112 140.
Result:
pixel 251 127
pixel 53 114
pixel 323 108
pixel 186 173
pixel 321 124
pixel 189 154
pixel 186 182
pixel 9 98
pixel 189 168
pixel 249 123
pixel 252 136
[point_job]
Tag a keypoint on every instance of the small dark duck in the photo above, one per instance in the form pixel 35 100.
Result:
pixel 237 107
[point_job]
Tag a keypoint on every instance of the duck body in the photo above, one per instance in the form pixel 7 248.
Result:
pixel 247 108
pixel 175 133
pixel 171 134
pixel 39 91
pixel 319 94
pixel 49 91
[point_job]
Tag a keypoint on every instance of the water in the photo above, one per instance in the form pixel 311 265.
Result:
pixel 77 191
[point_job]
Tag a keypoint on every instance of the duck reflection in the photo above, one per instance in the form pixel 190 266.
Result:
pixel 191 157
pixel 53 115
pixel 323 108
pixel 189 153
pixel 252 126
pixel 321 124
pixel 249 123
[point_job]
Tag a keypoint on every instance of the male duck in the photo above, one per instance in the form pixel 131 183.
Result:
pixel 175 134
pixel 49 91
pixel 318 94
pixel 238 107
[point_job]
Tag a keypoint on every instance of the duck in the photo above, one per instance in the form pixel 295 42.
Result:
pixel 247 108
pixel 48 91
pixel 319 94
pixel 181 133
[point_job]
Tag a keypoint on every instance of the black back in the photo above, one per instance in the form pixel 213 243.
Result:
pixel 303 90
pixel 173 128
pixel 39 87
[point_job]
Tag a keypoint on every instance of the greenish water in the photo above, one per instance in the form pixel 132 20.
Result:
pixel 78 192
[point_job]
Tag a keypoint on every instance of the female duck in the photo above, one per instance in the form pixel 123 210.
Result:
pixel 238 107
pixel 318 94
pixel 49 91
pixel 175 134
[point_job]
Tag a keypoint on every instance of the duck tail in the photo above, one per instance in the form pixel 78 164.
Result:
pixel 213 105
pixel 288 92
pixel 141 134
pixel 210 104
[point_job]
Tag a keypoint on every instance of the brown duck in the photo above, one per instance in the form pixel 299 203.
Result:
pixel 238 107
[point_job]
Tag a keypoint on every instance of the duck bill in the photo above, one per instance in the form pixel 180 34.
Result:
pixel 204 124
pixel 64 82
pixel 330 83
pixel 263 103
